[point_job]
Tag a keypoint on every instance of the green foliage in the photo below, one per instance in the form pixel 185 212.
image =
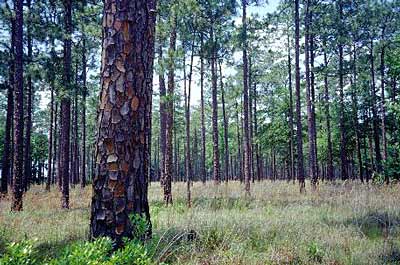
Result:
pixel 21 253
pixel 315 251
pixel 140 224
pixel 98 252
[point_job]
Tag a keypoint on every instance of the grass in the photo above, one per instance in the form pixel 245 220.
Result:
pixel 342 223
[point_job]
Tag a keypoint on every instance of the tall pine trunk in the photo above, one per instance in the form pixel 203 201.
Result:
pixel 246 140
pixel 203 127
pixel 226 146
pixel 18 110
pixel 123 136
pixel 66 107
pixel 169 164
pixel 6 163
pixel 299 132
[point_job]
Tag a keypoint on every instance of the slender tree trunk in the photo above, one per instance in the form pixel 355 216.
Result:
pixel 226 146
pixel 161 81
pixel 343 155
pixel 299 132
pixel 246 144
pixel 291 129
pixel 18 109
pixel 355 111
pixel 203 127
pixel 256 146
pixel 188 161
pixel 239 144
pixel 6 163
pixel 50 159
pixel 66 107
pixel 83 117
pixel 28 112
pixel 383 107
pixel 122 159
pixel 310 104
pixel 216 163
pixel 170 117
pixel 375 118
pixel 330 172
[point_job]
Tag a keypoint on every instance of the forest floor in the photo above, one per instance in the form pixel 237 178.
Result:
pixel 339 224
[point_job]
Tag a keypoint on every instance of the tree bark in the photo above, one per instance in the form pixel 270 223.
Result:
pixel 291 129
pixel 169 166
pixel 50 153
pixel 122 159
pixel 375 118
pixel 163 115
pixel 343 155
pixel 18 110
pixel 330 172
pixel 299 133
pixel 383 107
pixel 226 146
pixel 6 164
pixel 28 112
pixel 246 144
pixel 355 116
pixel 66 107
pixel 83 117
pixel 203 127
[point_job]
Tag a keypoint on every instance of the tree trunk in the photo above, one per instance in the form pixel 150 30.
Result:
pixel 330 173
pixel 18 110
pixel 66 107
pixel 5 169
pixel 310 105
pixel 375 118
pixel 122 146
pixel 300 166
pixel 355 116
pixel 83 117
pixel 188 161
pixel 291 129
pixel 239 153
pixel 50 160
pixel 226 146
pixel 28 112
pixel 343 155
pixel 203 127
pixel 163 115
pixel 216 163
pixel 383 107
pixel 246 144
pixel 170 117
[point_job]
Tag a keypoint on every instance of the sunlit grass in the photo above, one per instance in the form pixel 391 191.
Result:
pixel 339 224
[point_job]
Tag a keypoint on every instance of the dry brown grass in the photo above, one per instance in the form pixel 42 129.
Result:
pixel 339 224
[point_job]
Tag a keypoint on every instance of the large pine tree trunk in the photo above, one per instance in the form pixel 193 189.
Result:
pixel 246 144
pixel 66 108
pixel 291 129
pixel 18 110
pixel 299 132
pixel 6 163
pixel 169 164
pixel 123 136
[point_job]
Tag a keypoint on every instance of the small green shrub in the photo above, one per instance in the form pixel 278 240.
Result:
pixel 133 253
pixel 90 253
pixel 21 253
pixel 315 252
